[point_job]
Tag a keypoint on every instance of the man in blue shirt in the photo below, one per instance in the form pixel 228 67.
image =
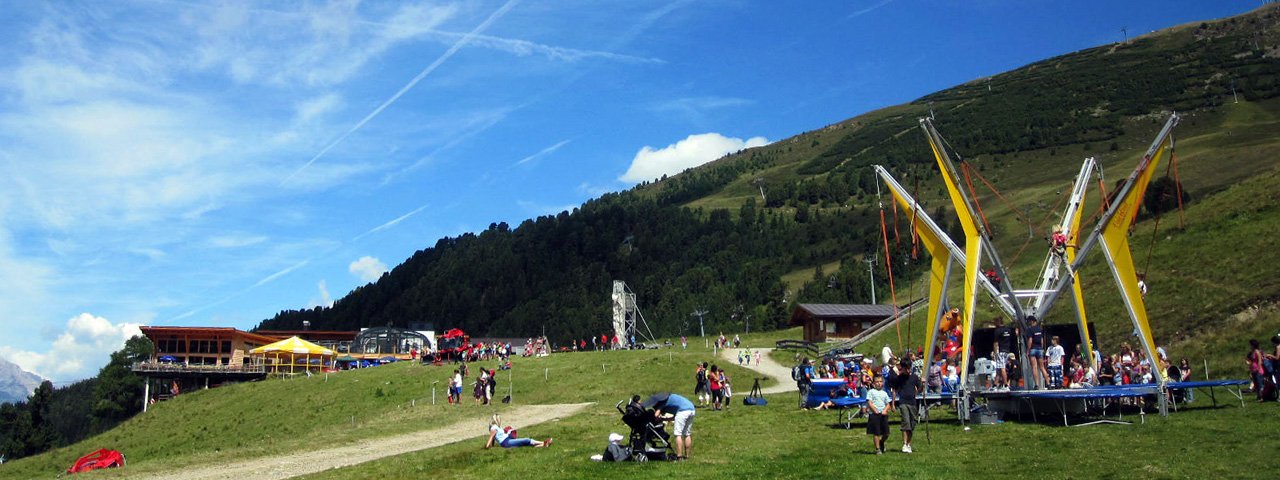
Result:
pixel 682 411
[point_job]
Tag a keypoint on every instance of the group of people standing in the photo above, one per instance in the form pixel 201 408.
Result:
pixel 604 342
pixel 712 386
pixel 895 385
pixel 482 389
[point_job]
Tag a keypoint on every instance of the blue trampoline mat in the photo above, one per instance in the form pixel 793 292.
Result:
pixel 845 402
pixel 1207 383
pixel 1113 391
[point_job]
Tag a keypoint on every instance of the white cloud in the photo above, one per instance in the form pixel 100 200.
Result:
pixel 235 240
pixel 543 209
pixel 25 285
pixel 325 300
pixel 367 268
pixel 83 346
pixel 650 163
pixel 526 48
pixel 323 44
pixel 592 190
pixel 314 107
pixel 697 105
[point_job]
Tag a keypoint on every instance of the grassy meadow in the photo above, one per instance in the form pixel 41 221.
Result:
pixel 279 416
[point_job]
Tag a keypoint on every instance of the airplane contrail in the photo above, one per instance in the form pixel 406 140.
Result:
pixel 390 224
pixel 421 75
pixel 542 153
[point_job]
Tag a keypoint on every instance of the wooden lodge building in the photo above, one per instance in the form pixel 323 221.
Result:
pixel 825 322
pixel 207 346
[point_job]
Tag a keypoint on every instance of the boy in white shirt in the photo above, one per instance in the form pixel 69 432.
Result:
pixel 1054 365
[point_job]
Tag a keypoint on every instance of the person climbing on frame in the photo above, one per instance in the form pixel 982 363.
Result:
pixel 1058 241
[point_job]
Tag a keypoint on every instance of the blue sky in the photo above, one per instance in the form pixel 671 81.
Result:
pixel 212 163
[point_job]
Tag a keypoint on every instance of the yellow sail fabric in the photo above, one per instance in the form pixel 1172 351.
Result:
pixel 973 254
pixel 1115 243
pixel 937 275
pixel 1078 293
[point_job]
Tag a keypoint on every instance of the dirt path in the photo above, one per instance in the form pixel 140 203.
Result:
pixel 767 366
pixel 302 463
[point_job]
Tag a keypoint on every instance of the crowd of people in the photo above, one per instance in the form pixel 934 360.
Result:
pixel 891 386
pixel 482 351
pixel 601 343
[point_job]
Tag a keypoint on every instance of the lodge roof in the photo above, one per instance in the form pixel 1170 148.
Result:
pixel 160 331
pixel 840 310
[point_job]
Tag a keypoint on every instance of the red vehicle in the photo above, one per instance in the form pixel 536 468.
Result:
pixel 102 458
pixel 453 345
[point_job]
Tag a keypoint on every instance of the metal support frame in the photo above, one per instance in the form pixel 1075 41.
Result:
pixel 627 319
pixel 1052 285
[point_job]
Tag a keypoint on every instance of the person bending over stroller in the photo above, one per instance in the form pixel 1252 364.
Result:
pixel 505 437
pixel 680 411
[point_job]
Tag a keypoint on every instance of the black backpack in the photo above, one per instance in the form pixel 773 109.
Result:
pixel 701 376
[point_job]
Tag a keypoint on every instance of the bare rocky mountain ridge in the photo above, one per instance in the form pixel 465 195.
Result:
pixel 16 384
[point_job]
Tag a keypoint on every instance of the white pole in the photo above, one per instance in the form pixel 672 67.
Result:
pixel 510 392
pixel 544 375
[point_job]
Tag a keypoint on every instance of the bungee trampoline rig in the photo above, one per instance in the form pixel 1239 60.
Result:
pixel 1060 273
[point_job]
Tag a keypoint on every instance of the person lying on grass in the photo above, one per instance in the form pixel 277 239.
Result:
pixel 505 437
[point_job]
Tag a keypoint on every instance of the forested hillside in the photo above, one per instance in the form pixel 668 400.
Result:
pixel 721 236
pixel 557 271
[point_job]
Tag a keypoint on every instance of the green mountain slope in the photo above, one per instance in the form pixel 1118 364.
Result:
pixel 709 237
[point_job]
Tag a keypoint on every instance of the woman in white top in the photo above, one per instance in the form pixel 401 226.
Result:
pixel 506 438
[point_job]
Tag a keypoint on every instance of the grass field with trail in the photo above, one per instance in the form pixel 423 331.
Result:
pixel 278 416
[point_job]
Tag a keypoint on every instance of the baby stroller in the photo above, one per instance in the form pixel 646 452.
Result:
pixel 648 439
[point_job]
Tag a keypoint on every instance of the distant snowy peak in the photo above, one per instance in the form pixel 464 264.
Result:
pixel 16 384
